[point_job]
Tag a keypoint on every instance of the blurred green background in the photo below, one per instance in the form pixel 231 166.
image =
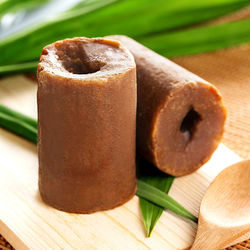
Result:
pixel 171 28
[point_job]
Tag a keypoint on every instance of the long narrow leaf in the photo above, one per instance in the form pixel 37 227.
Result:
pixel 18 116
pixel 134 18
pixel 18 68
pixel 27 44
pixel 160 198
pixel 200 39
pixel 184 42
pixel 152 176
pixel 18 126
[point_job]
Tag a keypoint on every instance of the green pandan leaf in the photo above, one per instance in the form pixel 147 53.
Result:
pixel 184 42
pixel 151 175
pixel 161 199
pixel 18 123
pixel 142 20
pixel 200 39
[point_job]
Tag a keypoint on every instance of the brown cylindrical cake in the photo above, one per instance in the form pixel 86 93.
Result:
pixel 86 124
pixel 180 117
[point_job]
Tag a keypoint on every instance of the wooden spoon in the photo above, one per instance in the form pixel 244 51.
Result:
pixel 225 208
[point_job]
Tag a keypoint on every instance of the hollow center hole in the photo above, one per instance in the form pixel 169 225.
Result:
pixel 189 123
pixel 76 59
pixel 79 67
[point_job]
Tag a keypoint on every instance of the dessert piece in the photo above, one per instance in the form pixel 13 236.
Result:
pixel 180 117
pixel 86 124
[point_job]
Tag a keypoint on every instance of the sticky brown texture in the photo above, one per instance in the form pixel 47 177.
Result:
pixel 86 125
pixel 180 117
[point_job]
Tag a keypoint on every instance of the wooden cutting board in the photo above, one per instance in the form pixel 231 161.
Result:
pixel 27 223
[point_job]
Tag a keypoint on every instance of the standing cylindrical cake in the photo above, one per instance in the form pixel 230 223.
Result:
pixel 86 124
pixel 180 116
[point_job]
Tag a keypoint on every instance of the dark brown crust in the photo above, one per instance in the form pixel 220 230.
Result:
pixel 166 93
pixel 86 127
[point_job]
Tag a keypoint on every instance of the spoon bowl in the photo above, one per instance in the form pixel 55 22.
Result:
pixel 225 208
